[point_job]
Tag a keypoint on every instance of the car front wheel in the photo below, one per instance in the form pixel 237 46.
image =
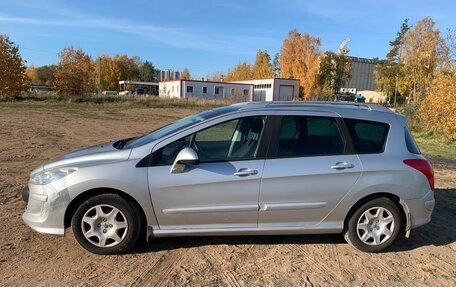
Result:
pixel 374 226
pixel 106 224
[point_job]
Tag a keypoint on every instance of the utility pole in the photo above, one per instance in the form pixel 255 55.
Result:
pixel 99 77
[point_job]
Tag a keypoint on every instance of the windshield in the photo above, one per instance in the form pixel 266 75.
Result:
pixel 178 125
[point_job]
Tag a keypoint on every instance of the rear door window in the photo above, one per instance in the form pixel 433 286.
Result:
pixel 367 136
pixel 309 136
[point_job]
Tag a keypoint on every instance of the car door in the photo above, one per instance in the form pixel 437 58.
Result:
pixel 310 168
pixel 222 190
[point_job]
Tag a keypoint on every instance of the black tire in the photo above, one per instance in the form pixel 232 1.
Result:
pixel 351 232
pixel 131 217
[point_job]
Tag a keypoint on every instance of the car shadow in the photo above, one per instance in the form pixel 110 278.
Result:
pixel 441 231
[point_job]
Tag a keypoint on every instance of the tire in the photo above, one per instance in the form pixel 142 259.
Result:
pixel 106 224
pixel 374 226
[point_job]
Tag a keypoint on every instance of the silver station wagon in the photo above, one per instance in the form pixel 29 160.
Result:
pixel 252 168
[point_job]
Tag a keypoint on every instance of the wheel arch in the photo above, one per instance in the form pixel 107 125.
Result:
pixel 97 191
pixel 394 198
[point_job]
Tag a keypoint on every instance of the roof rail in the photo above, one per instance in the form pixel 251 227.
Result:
pixel 369 107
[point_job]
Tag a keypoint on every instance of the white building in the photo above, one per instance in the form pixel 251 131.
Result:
pixel 206 90
pixel 276 89
pixel 374 97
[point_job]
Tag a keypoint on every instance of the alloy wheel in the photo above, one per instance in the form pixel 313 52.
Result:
pixel 104 225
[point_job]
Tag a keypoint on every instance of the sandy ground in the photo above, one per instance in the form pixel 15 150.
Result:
pixel 31 133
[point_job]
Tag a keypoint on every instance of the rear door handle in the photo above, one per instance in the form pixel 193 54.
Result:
pixel 245 172
pixel 342 165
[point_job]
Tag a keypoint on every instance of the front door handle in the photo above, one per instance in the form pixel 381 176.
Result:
pixel 245 172
pixel 342 165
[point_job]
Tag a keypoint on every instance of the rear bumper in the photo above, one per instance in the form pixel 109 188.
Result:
pixel 420 210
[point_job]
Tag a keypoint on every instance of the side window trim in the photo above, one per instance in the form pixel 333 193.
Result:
pixel 349 147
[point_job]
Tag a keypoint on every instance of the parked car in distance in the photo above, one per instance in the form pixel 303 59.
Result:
pixel 252 168
pixel 140 91
pixel 124 93
pixel 109 93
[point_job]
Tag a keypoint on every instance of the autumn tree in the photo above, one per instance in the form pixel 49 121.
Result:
pixel 186 74
pixel 122 67
pixel 241 71
pixel 75 73
pixel 262 68
pixel 299 59
pixel 389 71
pixel 423 51
pixel 43 75
pixel 437 111
pixel 32 75
pixel 12 68
pixel 110 74
pixel 334 72
pixel 451 44
pixel 128 68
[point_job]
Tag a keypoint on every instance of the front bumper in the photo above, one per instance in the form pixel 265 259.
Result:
pixel 46 206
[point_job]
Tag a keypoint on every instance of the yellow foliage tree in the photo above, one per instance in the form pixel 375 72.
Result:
pixel 110 74
pixel 242 71
pixel 262 68
pixel 75 75
pixel 299 59
pixel 438 110
pixel 423 51
pixel 186 75
pixel 12 68
pixel 32 75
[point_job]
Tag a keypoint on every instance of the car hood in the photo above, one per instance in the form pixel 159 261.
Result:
pixel 97 154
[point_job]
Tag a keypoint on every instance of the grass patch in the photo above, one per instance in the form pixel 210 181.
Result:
pixel 114 101
pixel 435 145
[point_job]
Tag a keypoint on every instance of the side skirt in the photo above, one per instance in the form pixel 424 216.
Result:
pixel 287 230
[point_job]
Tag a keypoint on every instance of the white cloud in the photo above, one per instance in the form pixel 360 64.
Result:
pixel 190 38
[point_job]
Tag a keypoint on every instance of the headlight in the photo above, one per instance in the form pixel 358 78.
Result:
pixel 46 177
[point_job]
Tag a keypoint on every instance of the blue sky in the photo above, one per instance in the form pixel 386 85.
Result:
pixel 206 36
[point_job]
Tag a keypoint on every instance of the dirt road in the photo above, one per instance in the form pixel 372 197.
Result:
pixel 32 133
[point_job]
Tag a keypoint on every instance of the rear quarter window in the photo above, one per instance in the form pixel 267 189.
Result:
pixel 367 136
pixel 410 142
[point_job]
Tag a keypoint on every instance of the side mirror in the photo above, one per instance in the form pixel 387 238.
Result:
pixel 187 156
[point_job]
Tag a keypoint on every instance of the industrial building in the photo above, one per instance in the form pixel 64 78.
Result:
pixel 362 81
pixel 183 89
pixel 274 89
pixel 361 74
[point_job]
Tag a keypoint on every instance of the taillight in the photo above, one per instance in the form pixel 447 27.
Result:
pixel 424 167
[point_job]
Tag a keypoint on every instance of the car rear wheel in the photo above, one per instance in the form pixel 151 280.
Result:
pixel 374 226
pixel 106 224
